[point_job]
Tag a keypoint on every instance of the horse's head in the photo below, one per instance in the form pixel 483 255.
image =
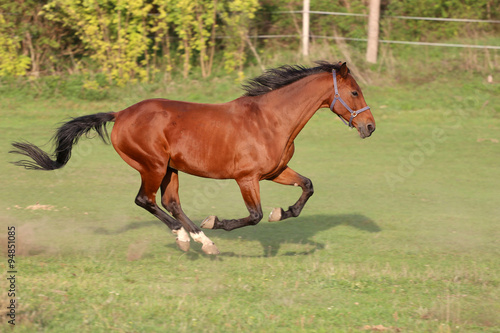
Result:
pixel 348 103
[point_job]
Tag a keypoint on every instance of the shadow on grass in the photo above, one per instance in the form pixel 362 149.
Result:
pixel 125 228
pixel 271 236
pixel 300 231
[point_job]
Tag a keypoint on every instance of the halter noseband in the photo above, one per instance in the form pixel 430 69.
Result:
pixel 337 97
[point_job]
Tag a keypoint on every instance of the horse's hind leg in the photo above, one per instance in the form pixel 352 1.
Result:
pixel 149 155
pixel 146 198
pixel 290 177
pixel 170 200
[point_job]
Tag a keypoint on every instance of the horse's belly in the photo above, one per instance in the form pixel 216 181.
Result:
pixel 202 160
pixel 231 161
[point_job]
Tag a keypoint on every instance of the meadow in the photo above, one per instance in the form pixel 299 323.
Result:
pixel 401 235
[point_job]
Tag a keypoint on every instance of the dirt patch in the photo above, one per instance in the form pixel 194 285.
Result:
pixel 26 242
pixel 37 206
pixel 136 250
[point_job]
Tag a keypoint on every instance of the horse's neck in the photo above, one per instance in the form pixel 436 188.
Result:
pixel 295 104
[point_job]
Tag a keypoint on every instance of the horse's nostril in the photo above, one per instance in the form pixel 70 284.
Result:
pixel 370 128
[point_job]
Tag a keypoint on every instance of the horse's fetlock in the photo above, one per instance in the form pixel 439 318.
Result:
pixel 308 186
pixel 295 210
pixel 255 217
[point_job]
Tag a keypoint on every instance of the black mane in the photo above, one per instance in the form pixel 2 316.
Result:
pixel 279 77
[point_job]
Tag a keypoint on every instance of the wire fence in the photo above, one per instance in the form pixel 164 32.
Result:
pixel 442 19
pixel 397 17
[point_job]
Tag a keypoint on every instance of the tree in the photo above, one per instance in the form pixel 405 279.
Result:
pixel 114 32
pixel 12 63
pixel 237 17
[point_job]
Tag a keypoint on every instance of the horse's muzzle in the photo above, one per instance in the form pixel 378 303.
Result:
pixel 365 130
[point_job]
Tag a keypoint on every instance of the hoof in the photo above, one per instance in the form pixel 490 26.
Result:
pixel 209 222
pixel 183 245
pixel 210 249
pixel 275 215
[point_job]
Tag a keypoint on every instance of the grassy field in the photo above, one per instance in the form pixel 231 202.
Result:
pixel 402 234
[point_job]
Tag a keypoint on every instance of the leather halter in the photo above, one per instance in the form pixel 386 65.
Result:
pixel 337 97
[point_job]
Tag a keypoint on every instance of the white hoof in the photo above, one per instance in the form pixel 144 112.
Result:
pixel 208 223
pixel 183 245
pixel 208 246
pixel 275 215
pixel 182 239
pixel 210 249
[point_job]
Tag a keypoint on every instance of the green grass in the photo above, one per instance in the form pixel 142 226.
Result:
pixel 402 230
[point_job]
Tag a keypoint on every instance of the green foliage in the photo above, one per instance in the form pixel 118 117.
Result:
pixel 36 45
pixel 237 17
pixel 123 38
pixel 11 61
pixel 194 23
pixel 114 33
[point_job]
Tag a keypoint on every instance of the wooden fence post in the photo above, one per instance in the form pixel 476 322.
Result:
pixel 305 28
pixel 373 29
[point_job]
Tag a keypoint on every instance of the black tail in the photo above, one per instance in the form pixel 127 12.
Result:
pixel 67 135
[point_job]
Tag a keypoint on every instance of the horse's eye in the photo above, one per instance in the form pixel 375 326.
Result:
pixel 354 93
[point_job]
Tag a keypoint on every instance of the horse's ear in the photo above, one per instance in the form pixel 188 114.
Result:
pixel 344 70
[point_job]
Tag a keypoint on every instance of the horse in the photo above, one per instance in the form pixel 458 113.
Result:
pixel 248 139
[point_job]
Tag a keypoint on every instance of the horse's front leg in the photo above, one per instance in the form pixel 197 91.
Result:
pixel 251 195
pixel 290 177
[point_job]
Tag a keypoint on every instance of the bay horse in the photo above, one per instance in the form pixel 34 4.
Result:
pixel 248 139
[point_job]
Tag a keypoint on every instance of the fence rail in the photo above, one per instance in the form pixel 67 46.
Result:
pixel 423 18
pixel 374 39
pixel 472 46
